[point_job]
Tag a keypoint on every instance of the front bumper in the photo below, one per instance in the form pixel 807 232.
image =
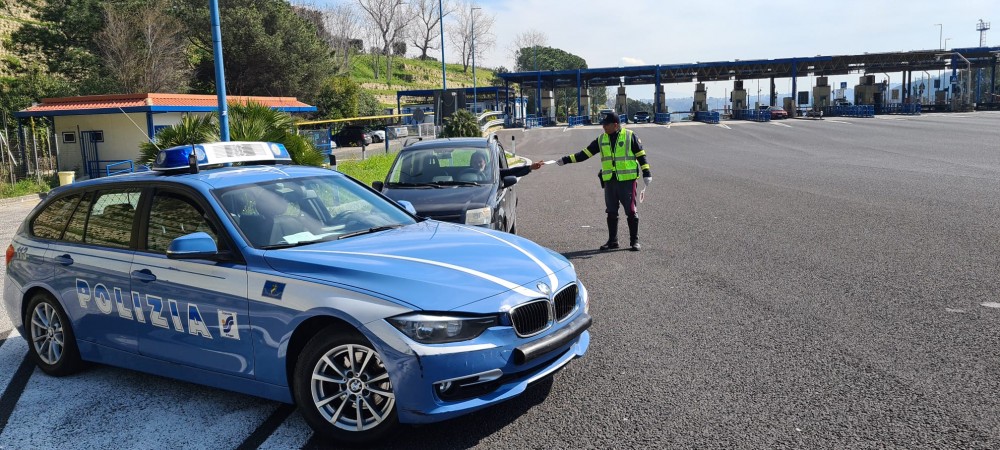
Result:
pixel 493 368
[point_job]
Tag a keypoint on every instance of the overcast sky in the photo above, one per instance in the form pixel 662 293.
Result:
pixel 649 32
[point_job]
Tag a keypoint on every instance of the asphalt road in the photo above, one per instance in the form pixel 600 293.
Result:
pixel 803 284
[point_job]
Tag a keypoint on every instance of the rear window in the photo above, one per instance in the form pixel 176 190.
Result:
pixel 50 223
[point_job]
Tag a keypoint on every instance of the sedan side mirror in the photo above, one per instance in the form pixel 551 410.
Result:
pixel 198 245
pixel 407 206
pixel 509 181
pixel 377 185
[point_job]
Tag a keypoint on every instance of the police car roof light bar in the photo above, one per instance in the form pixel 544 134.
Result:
pixel 220 153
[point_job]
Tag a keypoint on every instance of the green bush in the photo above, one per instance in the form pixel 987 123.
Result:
pixel 461 124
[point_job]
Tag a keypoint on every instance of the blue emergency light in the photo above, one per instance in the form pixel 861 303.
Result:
pixel 219 153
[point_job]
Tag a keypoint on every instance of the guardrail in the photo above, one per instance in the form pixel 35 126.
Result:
pixel 661 118
pixel 112 168
pixel 912 109
pixel 849 111
pixel 575 121
pixel 707 116
pixel 532 122
pixel 755 115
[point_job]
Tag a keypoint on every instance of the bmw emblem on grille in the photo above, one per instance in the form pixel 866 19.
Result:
pixel 544 288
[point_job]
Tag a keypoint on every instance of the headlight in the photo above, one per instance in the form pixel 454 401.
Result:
pixel 435 329
pixel 479 216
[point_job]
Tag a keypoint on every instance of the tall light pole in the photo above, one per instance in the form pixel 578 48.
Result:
pixel 220 73
pixel 444 78
pixel 475 102
pixel 940 35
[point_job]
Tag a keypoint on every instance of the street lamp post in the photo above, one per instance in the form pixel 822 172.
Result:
pixel 444 78
pixel 220 73
pixel 475 102
pixel 940 35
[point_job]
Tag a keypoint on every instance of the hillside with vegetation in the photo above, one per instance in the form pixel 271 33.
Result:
pixel 412 74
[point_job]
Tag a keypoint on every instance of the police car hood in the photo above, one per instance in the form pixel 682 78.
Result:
pixel 430 265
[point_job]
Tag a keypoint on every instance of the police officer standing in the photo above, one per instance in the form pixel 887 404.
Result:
pixel 622 158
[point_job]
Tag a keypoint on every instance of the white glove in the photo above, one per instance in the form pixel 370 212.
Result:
pixel 647 180
pixel 559 162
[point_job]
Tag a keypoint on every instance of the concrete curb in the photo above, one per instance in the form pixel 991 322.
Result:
pixel 24 198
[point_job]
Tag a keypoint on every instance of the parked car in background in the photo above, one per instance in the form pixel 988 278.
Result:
pixel 641 117
pixel 841 102
pixel 438 178
pixel 777 112
pixel 352 136
pixel 377 134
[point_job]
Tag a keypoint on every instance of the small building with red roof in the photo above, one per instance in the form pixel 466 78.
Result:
pixel 94 131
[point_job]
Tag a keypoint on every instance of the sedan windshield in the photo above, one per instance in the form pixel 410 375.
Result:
pixel 452 166
pixel 300 211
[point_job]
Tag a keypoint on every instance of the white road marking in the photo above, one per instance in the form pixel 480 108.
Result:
pixel 838 121
pixel 724 126
pixel 781 124
pixel 990 304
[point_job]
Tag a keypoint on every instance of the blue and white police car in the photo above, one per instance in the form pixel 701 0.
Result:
pixel 227 268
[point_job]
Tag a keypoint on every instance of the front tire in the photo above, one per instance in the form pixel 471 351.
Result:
pixel 343 389
pixel 52 344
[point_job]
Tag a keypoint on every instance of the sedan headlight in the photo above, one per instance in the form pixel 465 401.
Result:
pixel 479 216
pixel 439 329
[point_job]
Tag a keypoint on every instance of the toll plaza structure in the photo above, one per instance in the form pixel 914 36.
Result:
pixel 965 90
pixel 477 100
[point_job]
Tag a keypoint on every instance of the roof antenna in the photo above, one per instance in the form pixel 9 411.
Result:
pixel 193 160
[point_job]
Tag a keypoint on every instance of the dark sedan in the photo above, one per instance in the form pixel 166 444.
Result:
pixel 443 182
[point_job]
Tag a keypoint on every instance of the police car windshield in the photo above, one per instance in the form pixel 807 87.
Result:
pixel 295 212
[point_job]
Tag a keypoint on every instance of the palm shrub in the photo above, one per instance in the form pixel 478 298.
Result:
pixel 461 124
pixel 247 122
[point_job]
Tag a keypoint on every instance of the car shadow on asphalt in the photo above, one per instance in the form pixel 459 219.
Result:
pixel 462 432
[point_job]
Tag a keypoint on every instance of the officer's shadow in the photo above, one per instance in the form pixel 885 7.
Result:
pixel 586 254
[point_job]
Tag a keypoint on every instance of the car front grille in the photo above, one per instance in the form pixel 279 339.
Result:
pixel 565 301
pixel 531 318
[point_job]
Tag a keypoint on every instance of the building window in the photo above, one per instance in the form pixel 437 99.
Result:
pixel 69 137
pixel 96 136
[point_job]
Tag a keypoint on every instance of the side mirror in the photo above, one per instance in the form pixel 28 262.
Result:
pixel 194 246
pixel 377 185
pixel 509 181
pixel 407 206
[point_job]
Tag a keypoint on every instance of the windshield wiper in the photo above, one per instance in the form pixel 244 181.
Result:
pixel 368 231
pixel 456 183
pixel 398 184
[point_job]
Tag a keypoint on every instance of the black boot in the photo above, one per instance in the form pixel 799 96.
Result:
pixel 612 234
pixel 633 233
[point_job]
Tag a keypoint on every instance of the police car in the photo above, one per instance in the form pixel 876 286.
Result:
pixel 228 268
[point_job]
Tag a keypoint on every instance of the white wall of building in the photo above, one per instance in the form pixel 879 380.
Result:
pixel 123 133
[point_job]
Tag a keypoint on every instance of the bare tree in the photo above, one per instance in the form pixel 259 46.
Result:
pixel 528 39
pixel 461 32
pixel 387 19
pixel 144 49
pixel 343 24
pixel 425 29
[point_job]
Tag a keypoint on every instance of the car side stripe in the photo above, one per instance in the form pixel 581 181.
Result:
pixel 507 284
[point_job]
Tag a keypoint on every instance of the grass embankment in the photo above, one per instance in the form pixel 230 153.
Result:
pixel 412 74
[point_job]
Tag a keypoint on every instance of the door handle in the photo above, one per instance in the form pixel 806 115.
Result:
pixel 63 259
pixel 144 275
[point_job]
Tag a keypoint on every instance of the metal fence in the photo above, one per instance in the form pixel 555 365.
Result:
pixel 28 153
